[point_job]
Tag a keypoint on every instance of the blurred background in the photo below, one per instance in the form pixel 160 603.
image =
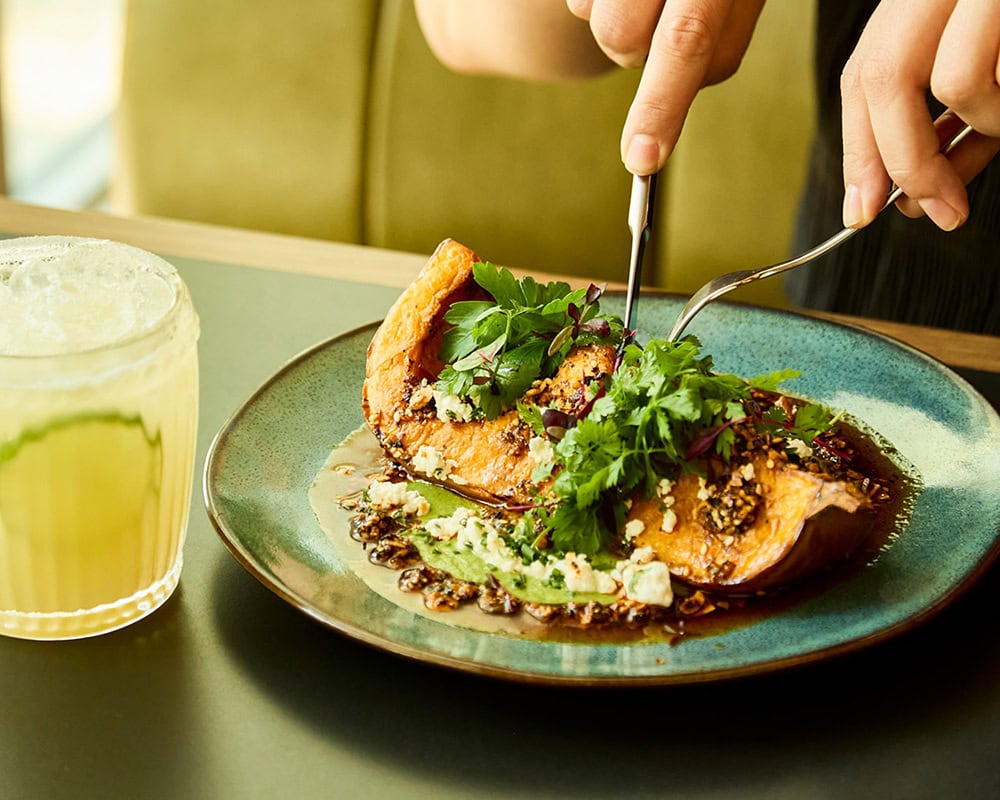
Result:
pixel 60 64
pixel 333 120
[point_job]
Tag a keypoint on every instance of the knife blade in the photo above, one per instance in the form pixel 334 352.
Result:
pixel 640 213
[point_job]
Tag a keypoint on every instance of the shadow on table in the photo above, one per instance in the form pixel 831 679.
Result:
pixel 74 726
pixel 935 688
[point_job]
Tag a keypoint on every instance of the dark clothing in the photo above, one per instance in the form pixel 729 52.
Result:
pixel 896 268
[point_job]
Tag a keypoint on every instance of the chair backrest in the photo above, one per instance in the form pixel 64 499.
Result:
pixel 334 120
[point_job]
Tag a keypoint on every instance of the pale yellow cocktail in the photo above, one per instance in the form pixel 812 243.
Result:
pixel 98 412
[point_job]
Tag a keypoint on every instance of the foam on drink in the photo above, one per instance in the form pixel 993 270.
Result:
pixel 62 295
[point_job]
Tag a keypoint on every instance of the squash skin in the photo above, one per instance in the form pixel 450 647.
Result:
pixel 489 459
pixel 806 523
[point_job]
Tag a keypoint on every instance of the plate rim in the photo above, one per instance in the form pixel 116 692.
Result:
pixel 232 540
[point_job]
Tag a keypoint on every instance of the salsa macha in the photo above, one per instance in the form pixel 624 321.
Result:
pixel 525 456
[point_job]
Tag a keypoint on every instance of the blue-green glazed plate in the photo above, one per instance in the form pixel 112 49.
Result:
pixel 263 461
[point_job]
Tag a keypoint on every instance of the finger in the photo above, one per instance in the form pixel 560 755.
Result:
pixel 895 70
pixel 734 40
pixel 965 75
pixel 866 182
pixel 680 54
pixel 968 159
pixel 580 8
pixel 624 29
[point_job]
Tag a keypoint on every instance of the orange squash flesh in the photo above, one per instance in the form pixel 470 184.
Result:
pixel 487 459
pixel 804 523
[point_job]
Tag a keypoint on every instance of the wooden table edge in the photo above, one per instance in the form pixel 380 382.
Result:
pixel 392 268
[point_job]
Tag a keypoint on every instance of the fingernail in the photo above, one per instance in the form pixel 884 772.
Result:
pixel 942 214
pixel 643 155
pixel 854 215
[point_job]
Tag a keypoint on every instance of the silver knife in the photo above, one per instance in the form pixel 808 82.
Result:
pixel 640 213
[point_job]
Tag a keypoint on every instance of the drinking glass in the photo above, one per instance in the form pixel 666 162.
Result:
pixel 98 416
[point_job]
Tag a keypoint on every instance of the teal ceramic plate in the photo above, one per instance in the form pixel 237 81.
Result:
pixel 263 461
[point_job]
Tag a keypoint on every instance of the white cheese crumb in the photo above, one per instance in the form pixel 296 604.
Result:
pixel 633 528
pixel 669 521
pixel 451 408
pixel 703 492
pixel 431 463
pixel 746 471
pixel 422 395
pixel 581 576
pixel 642 555
pixel 800 448
pixel 541 450
pixel 386 496
pixel 448 527
pixel 648 583
pixel 664 488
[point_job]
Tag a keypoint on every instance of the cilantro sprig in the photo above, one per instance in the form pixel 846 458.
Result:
pixel 662 399
pixel 496 349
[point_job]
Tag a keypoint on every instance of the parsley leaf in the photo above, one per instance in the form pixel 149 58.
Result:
pixel 494 351
pixel 663 404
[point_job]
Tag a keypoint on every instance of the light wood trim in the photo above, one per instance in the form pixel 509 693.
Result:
pixel 380 267
pixel 185 239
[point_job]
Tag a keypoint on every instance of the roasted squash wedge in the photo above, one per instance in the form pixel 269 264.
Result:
pixel 802 522
pixel 485 459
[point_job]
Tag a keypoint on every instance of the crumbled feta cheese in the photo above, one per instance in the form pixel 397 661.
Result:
pixel 669 521
pixel 541 450
pixel 633 528
pixel 703 492
pixel 451 408
pixel 581 576
pixel 448 527
pixel 386 496
pixel 664 488
pixel 746 471
pixel 431 463
pixel 800 448
pixel 648 583
pixel 422 395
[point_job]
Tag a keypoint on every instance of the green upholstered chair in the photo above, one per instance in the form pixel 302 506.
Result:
pixel 333 120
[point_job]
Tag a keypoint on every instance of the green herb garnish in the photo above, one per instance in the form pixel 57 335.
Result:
pixel 663 409
pixel 495 350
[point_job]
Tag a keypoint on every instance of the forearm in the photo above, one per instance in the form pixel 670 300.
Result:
pixel 537 39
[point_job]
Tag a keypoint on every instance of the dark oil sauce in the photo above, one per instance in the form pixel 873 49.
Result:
pixel 871 456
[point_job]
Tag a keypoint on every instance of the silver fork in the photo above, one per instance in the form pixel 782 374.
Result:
pixel 717 287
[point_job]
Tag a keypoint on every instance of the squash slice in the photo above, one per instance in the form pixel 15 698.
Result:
pixel 804 522
pixel 485 459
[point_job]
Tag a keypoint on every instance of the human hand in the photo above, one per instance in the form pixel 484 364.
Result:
pixel 951 47
pixel 684 45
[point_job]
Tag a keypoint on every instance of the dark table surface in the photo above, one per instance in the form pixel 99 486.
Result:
pixel 227 691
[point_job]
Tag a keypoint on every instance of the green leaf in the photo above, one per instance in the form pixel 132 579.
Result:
pixel 577 530
pixel 498 282
pixel 506 345
pixel 771 381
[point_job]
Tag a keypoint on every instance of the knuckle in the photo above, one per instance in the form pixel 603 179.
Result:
pixel 955 88
pixel 850 78
pixel 618 38
pixel 877 74
pixel 859 162
pixel 689 36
